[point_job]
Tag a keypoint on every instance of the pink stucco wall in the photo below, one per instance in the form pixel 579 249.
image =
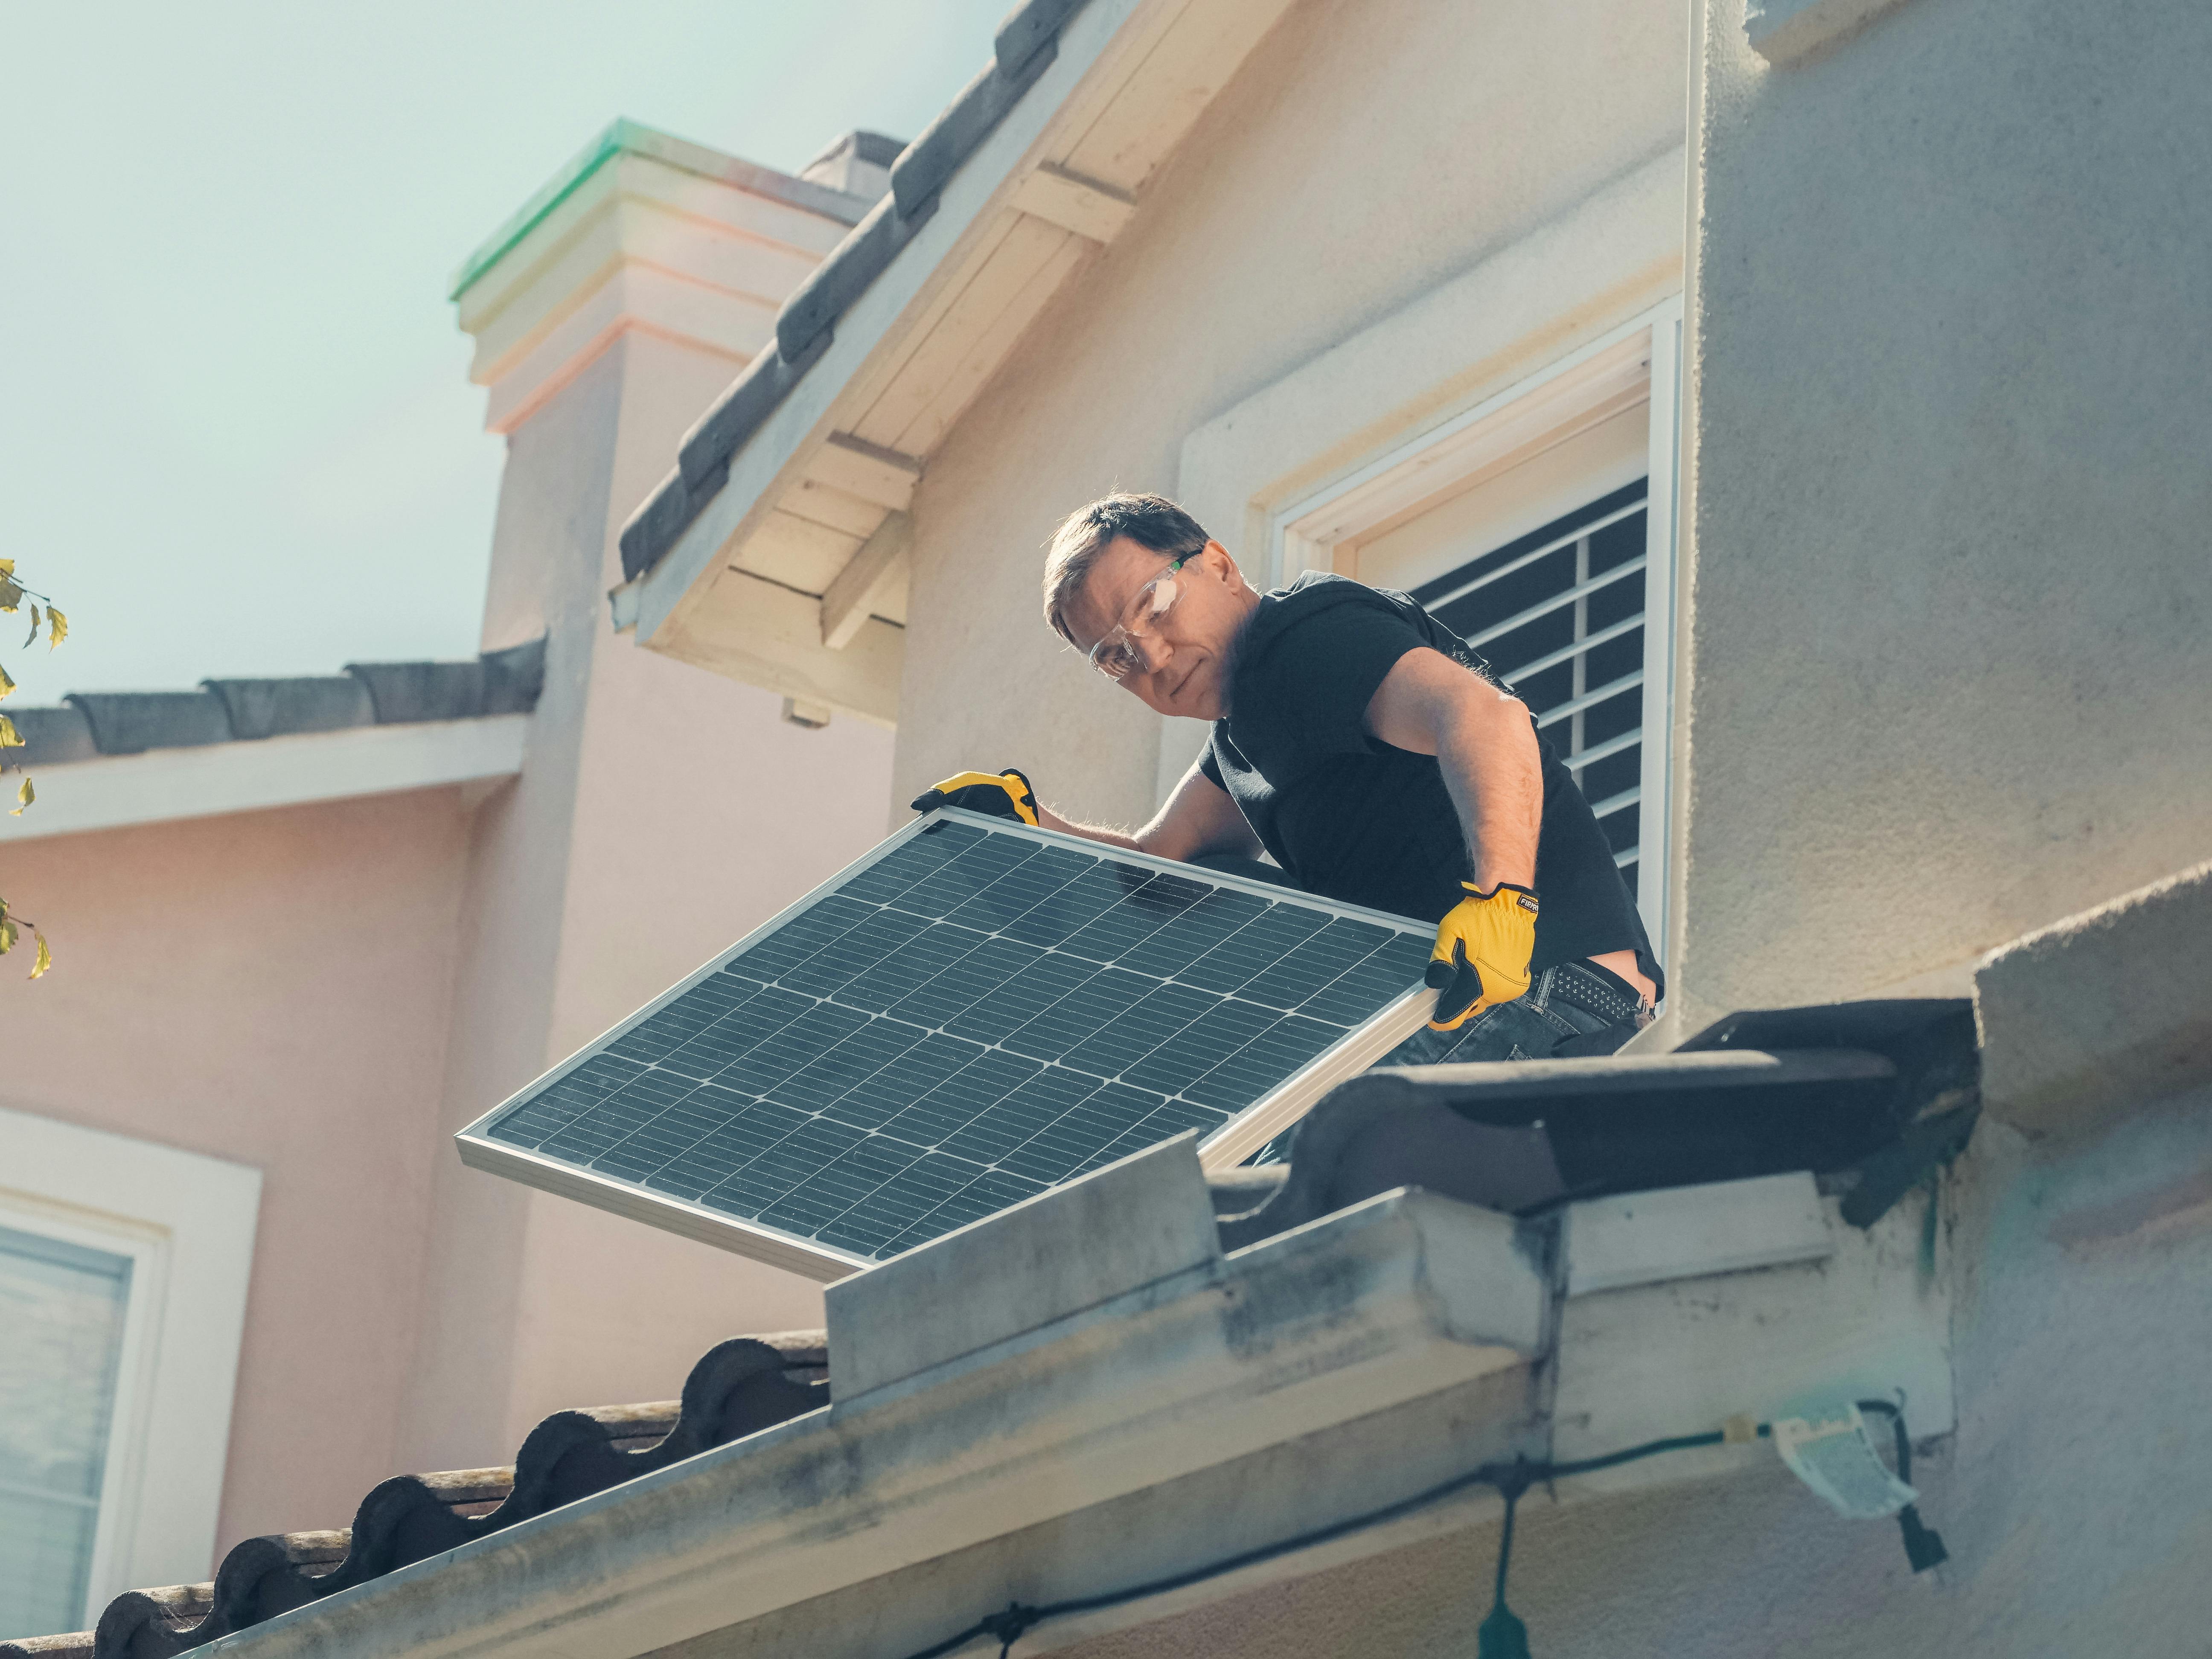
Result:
pixel 272 988
pixel 326 993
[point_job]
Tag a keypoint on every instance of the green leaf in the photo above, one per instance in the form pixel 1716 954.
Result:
pixel 10 595
pixel 24 795
pixel 35 625
pixel 45 959
pixel 7 936
pixel 57 627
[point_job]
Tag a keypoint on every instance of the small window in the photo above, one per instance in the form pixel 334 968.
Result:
pixel 1558 613
pixel 64 1308
pixel 124 1269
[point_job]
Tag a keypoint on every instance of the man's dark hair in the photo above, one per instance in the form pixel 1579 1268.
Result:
pixel 1151 521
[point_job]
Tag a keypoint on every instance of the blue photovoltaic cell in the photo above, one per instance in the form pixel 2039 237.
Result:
pixel 973 1017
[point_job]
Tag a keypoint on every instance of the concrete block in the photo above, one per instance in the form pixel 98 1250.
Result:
pixel 1683 1232
pixel 1780 30
pixel 2105 1012
pixel 1116 1230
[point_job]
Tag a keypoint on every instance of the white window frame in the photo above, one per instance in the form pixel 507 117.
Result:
pixel 1639 360
pixel 187 1223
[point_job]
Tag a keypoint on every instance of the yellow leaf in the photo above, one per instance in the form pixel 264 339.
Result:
pixel 45 959
pixel 9 737
pixel 6 684
pixel 57 628
pixel 25 795
pixel 7 936
pixel 6 567
pixel 35 625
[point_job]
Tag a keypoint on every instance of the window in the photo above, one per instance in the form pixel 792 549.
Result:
pixel 1558 615
pixel 1539 526
pixel 123 1279
pixel 62 1307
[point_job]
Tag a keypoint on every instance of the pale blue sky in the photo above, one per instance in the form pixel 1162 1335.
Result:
pixel 236 433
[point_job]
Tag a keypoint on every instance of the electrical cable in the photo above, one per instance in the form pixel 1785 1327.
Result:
pixel 1509 1480
pixel 1924 1544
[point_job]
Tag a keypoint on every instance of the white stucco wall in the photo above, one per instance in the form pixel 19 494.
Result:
pixel 1366 153
pixel 1951 643
pixel 2071 1499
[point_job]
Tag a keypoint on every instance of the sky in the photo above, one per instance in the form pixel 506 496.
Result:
pixel 237 435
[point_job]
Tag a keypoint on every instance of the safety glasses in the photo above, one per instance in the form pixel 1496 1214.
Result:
pixel 1116 656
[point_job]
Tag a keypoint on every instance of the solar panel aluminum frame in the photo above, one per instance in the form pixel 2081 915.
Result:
pixel 1228 1145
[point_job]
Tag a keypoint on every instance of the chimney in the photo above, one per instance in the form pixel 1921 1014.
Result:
pixel 859 163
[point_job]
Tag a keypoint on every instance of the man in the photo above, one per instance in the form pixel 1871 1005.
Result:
pixel 1373 755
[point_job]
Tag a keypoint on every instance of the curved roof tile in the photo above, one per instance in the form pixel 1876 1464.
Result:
pixel 737 1388
pixel 90 724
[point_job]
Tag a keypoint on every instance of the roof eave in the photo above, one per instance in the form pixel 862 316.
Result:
pixel 1284 1388
pixel 773 458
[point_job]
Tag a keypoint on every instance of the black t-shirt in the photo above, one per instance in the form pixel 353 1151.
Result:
pixel 1352 818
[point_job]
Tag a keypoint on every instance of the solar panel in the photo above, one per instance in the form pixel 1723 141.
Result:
pixel 974 1012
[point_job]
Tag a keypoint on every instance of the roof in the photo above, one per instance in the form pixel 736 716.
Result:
pixel 960 1367
pixel 737 1388
pixel 88 724
pixel 1025 47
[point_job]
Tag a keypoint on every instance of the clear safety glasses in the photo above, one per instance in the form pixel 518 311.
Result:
pixel 1116 656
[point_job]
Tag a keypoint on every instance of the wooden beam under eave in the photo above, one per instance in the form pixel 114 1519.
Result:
pixel 852 596
pixel 860 468
pixel 1092 210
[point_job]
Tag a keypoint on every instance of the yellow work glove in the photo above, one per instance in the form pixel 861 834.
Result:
pixel 1003 794
pixel 1481 957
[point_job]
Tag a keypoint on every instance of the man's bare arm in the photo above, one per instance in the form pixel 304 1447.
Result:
pixel 1199 818
pixel 1429 705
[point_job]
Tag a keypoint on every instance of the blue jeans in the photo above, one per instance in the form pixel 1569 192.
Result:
pixel 1573 1000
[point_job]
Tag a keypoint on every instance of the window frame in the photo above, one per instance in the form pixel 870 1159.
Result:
pixel 1637 361
pixel 186 1222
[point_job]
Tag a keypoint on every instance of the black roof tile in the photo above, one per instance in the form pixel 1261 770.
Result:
pixel 90 724
pixel 268 709
pixel 51 735
pixel 1029 29
pixel 802 327
pixel 131 722
pixel 953 137
pixel 737 1388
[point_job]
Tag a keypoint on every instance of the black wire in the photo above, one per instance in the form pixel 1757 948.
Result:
pixel 1924 1544
pixel 1505 1546
pixel 1509 1480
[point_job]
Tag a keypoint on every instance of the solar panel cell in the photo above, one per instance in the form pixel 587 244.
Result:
pixel 1018 1001
pixel 562 1099
pixel 973 1015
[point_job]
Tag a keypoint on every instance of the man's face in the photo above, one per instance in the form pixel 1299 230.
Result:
pixel 1186 651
